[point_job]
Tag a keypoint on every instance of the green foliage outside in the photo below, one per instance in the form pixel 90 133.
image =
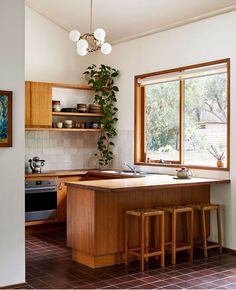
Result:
pixel 205 101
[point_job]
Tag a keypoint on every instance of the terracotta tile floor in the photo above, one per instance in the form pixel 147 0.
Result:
pixel 49 265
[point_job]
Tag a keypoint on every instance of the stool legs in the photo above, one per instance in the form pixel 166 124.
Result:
pixel 173 254
pixel 191 235
pixel 126 238
pixel 203 209
pixel 162 230
pixel 142 241
pixel 145 250
pixel 219 229
pixel 204 235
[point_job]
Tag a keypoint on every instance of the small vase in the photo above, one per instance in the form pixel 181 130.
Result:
pixel 220 163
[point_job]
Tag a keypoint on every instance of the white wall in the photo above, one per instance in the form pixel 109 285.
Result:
pixel 12 260
pixel 207 40
pixel 50 56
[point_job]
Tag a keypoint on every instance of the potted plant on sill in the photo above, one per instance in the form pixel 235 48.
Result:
pixel 102 80
pixel 219 156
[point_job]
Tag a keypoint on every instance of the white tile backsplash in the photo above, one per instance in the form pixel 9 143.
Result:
pixel 62 150
pixel 73 150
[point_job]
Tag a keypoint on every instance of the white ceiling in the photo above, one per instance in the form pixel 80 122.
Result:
pixel 127 19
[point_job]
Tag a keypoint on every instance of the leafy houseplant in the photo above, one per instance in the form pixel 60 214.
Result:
pixel 102 80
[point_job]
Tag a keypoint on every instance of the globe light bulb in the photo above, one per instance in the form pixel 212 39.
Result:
pixel 82 44
pixel 99 34
pixel 82 52
pixel 106 48
pixel 74 35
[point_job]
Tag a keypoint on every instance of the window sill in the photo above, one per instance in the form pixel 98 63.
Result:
pixel 182 165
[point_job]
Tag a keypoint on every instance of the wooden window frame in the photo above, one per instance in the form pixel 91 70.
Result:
pixel 139 118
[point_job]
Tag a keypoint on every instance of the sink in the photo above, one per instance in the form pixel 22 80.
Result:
pixel 128 172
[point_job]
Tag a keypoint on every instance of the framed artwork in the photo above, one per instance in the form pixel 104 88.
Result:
pixel 5 118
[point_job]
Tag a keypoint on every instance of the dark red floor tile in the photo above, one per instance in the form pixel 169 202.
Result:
pixel 49 266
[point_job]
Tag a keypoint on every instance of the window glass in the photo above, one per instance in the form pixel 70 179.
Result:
pixel 162 113
pixel 205 119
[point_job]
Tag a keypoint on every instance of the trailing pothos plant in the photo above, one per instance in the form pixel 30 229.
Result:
pixel 102 80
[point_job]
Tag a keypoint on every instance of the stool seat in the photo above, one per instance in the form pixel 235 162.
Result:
pixel 204 206
pixel 144 252
pixel 176 208
pixel 144 211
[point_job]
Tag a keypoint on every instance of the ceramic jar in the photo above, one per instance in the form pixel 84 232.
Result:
pixel 56 106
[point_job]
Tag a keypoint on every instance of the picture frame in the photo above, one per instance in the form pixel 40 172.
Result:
pixel 5 118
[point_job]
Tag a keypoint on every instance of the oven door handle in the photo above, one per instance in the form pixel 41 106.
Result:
pixel 41 190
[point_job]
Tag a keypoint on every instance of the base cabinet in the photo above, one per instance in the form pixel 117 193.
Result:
pixel 62 195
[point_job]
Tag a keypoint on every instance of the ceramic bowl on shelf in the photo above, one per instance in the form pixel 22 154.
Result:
pixel 82 108
pixel 68 124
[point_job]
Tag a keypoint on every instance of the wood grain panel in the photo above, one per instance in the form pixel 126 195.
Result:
pixel 41 104
pixel 80 220
pixel 96 219
pixel 27 104
pixel 62 195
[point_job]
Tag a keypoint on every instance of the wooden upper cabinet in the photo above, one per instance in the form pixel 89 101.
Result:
pixel 27 105
pixel 38 101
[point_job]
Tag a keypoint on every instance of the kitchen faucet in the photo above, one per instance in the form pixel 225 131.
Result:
pixel 132 168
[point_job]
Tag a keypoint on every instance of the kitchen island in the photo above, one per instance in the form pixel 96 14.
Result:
pixel 95 211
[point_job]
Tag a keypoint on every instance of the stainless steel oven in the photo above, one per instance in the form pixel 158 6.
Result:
pixel 40 199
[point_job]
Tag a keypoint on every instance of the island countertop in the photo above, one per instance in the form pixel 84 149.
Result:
pixel 144 182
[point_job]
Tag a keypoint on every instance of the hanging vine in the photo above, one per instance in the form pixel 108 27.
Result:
pixel 102 80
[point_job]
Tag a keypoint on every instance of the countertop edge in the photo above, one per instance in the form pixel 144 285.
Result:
pixel 58 173
pixel 80 185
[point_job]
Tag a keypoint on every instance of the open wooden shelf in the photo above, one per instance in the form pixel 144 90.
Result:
pixel 63 129
pixel 71 86
pixel 77 114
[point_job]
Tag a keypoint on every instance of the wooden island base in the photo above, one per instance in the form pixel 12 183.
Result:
pixel 95 218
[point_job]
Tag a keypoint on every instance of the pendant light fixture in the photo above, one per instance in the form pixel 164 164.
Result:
pixel 90 41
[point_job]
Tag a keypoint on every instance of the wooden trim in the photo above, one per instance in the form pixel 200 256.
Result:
pixel 72 86
pixel 97 261
pixel 138 124
pixel 183 165
pixel 142 120
pixel 13 286
pixel 228 114
pixel 9 116
pixel 179 69
pixel 139 153
pixel 62 130
pixel 42 222
pixel 181 126
pixel 77 114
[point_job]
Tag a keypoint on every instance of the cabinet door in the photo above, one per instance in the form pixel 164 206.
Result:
pixel 41 104
pixel 62 194
pixel 27 104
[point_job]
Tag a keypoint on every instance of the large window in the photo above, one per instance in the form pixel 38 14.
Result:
pixel 182 116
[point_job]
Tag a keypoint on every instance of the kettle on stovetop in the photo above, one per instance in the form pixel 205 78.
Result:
pixel 36 164
pixel 184 172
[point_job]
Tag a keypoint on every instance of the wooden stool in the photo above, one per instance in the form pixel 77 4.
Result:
pixel 174 210
pixel 203 207
pixel 143 252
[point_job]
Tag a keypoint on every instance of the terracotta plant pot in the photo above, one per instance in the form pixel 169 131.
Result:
pixel 220 163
